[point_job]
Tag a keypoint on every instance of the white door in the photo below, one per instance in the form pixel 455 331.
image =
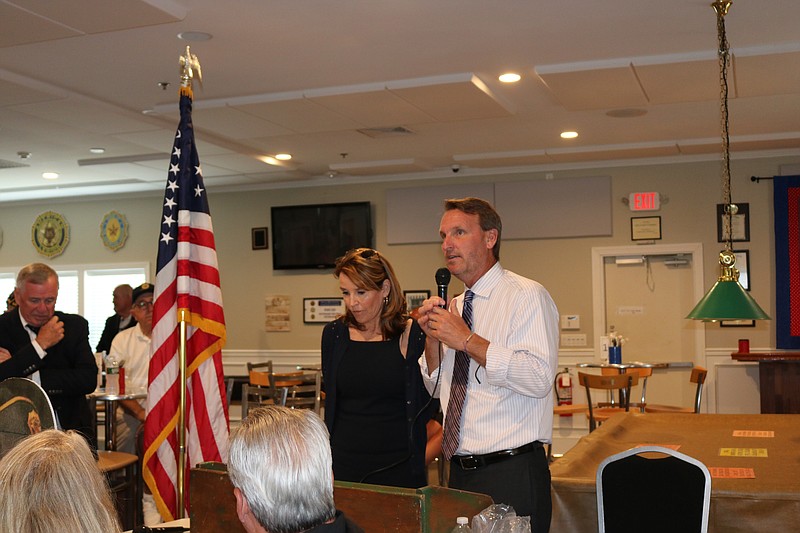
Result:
pixel 645 293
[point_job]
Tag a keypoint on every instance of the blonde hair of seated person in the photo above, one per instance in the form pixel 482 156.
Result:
pixel 50 482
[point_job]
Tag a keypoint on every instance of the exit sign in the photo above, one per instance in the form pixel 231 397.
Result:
pixel 644 201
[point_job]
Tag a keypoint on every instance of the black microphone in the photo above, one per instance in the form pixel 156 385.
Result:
pixel 442 281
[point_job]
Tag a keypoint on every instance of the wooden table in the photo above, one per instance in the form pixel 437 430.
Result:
pixel 779 377
pixel 635 364
pixel 769 502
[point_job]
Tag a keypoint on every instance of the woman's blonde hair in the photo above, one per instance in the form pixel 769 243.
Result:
pixel 50 482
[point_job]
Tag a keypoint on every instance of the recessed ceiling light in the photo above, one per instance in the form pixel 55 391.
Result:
pixel 194 36
pixel 50 175
pixel 510 77
pixel 268 159
pixel 283 157
pixel 569 134
pixel 97 150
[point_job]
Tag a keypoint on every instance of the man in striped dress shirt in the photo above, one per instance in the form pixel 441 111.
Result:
pixel 506 415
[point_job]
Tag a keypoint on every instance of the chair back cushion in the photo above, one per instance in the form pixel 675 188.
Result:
pixel 656 492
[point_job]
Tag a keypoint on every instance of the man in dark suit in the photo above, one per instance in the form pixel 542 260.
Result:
pixel 120 320
pixel 50 348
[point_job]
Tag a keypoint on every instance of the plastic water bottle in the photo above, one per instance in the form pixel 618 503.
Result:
pixel 462 525
pixel 112 375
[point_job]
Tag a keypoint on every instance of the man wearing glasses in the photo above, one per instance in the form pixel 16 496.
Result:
pixel 132 347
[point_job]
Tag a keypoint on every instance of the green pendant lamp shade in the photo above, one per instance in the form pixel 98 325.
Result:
pixel 727 299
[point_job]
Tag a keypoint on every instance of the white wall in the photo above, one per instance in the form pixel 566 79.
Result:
pixel 562 265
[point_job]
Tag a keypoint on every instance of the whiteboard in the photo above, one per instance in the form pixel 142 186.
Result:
pixel 557 208
pixel 531 209
pixel 413 214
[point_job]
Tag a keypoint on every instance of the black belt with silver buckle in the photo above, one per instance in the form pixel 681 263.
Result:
pixel 471 462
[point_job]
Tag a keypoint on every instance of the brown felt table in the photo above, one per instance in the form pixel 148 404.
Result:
pixel 770 502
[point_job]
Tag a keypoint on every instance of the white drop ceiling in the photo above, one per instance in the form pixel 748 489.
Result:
pixel 362 90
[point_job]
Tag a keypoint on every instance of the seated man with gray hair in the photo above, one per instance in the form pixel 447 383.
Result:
pixel 281 469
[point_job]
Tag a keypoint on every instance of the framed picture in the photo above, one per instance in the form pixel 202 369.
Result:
pixel 740 224
pixel 737 323
pixel 414 299
pixel 322 310
pixel 645 228
pixel 743 266
pixel 259 238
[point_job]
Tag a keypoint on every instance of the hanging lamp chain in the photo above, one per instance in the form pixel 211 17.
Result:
pixel 721 7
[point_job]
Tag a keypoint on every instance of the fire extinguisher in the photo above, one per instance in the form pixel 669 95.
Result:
pixel 564 389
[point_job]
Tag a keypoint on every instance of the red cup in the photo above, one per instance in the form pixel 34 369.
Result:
pixel 744 345
pixel 122 379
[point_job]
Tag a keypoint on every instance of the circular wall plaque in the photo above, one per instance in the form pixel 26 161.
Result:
pixel 114 230
pixel 50 234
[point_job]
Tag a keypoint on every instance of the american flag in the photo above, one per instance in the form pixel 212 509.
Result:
pixel 187 280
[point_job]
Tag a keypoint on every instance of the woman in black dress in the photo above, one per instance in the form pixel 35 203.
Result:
pixel 376 407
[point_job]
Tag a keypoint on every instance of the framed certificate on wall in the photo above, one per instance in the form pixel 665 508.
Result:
pixel 740 223
pixel 322 310
pixel 645 228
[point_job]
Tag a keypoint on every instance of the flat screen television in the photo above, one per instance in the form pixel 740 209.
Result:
pixel 314 236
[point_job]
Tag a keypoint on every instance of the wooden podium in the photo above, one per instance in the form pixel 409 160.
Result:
pixel 779 376
pixel 373 507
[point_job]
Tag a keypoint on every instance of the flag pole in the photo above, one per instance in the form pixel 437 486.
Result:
pixel 182 413
pixel 190 67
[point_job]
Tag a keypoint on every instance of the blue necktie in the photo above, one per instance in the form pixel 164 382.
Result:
pixel 458 390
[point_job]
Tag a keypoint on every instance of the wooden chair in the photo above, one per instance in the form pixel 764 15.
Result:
pixel 643 373
pixel 303 389
pixel 566 409
pixel 260 374
pixel 260 389
pixel 602 411
pixel 653 489
pixel 698 377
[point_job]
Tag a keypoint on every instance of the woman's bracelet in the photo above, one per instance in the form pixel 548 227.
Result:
pixel 467 340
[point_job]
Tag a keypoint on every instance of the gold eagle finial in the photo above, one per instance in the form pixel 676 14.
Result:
pixel 190 69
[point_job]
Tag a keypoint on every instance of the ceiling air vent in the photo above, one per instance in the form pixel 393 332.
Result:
pixel 5 163
pixel 380 133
